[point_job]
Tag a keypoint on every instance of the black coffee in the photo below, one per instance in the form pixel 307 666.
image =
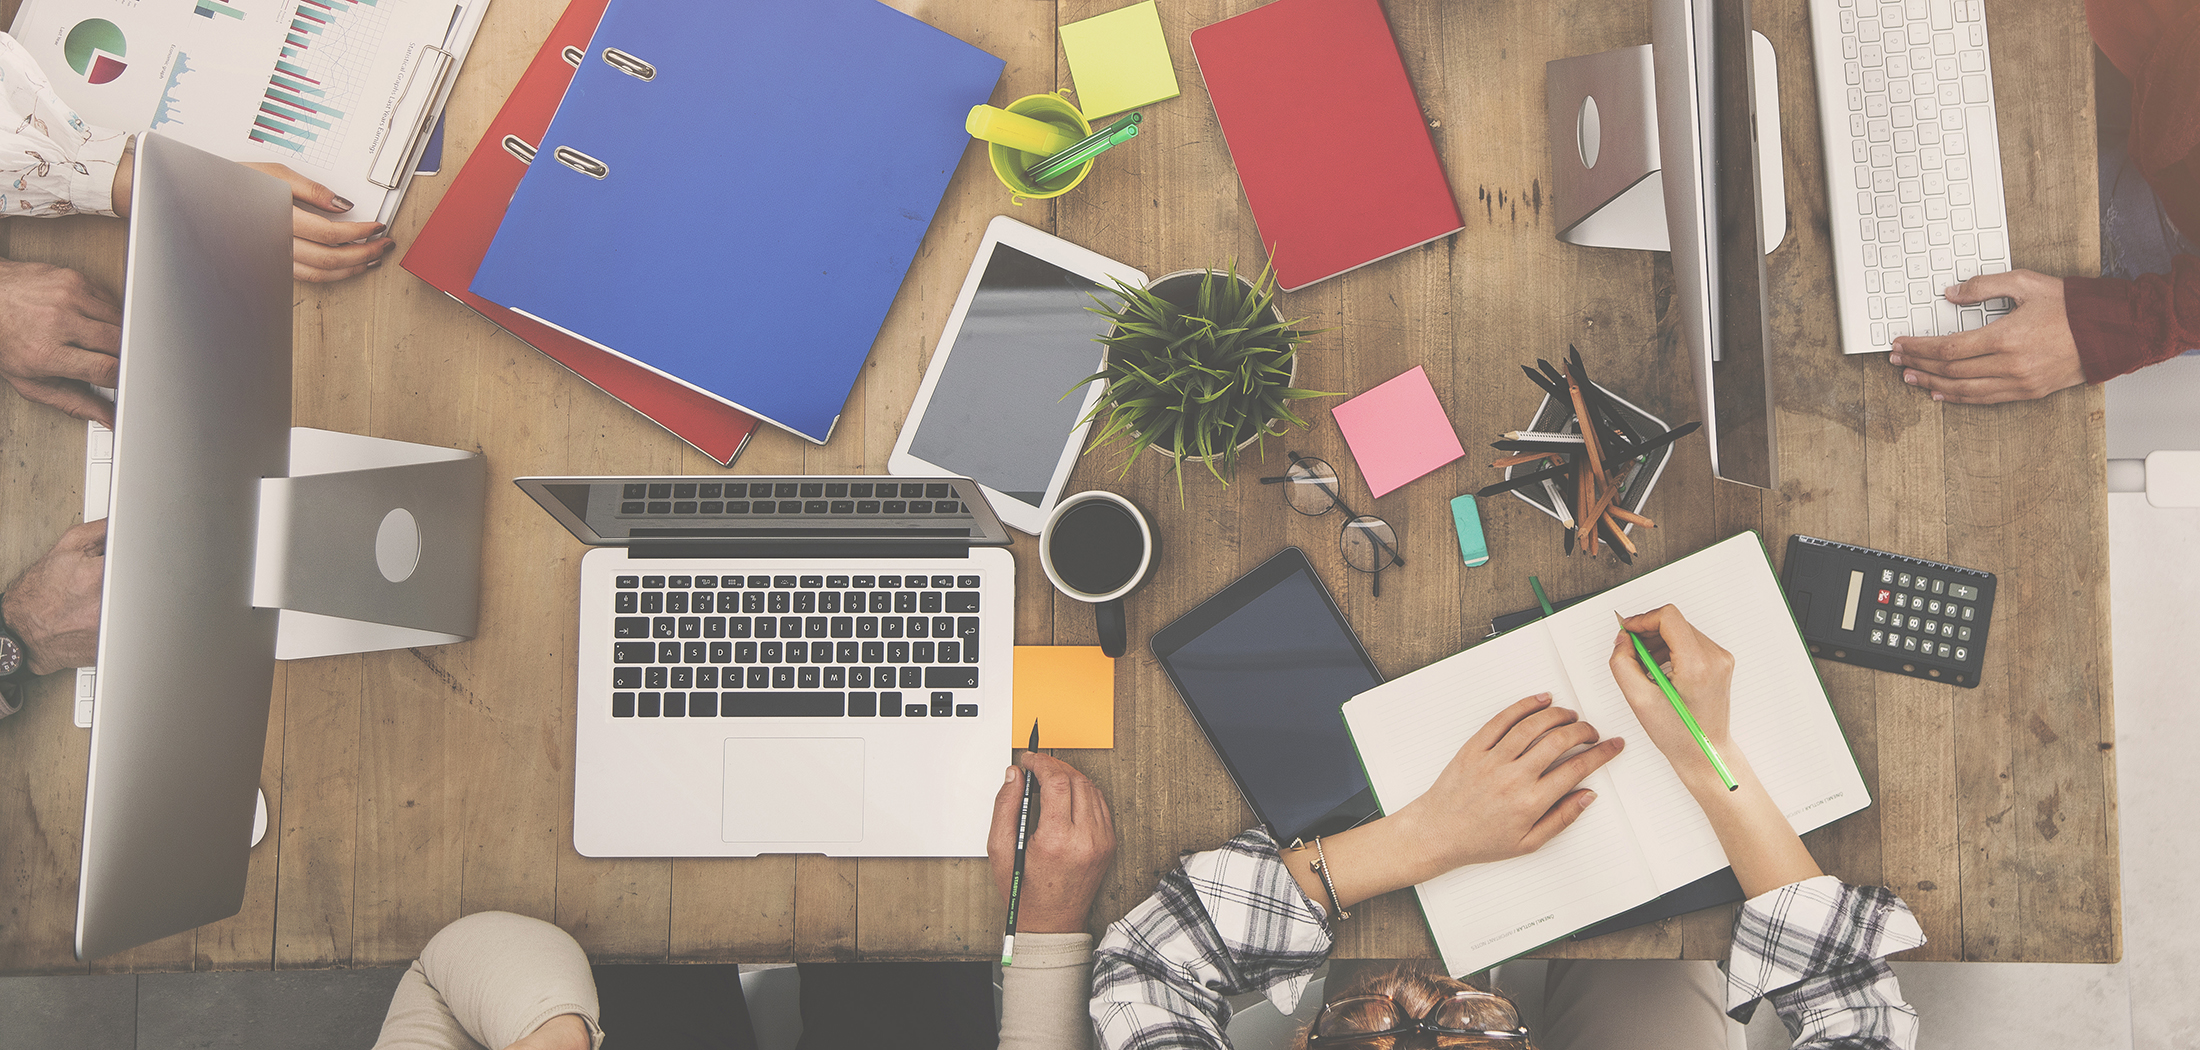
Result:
pixel 1096 547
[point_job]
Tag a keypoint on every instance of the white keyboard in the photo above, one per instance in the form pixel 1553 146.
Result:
pixel 1913 164
pixel 99 466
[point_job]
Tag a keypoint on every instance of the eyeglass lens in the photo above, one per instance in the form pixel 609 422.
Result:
pixel 1369 544
pixel 1313 486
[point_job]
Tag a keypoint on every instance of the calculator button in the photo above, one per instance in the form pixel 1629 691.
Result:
pixel 1893 640
pixel 1920 584
pixel 1902 580
pixel 1968 610
pixel 1932 627
pixel 1901 601
pixel 1962 653
pixel 1913 623
pixel 1909 644
pixel 1879 616
pixel 1942 651
pixel 1933 607
pixel 1885 596
pixel 1963 634
pixel 1886 575
pixel 1878 637
pixel 1964 592
pixel 1939 586
pixel 1947 630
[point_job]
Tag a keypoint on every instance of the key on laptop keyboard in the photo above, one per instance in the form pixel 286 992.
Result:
pixel 779 646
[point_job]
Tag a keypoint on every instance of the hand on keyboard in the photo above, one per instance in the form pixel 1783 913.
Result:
pixel 2027 354
pixel 54 605
pixel 58 331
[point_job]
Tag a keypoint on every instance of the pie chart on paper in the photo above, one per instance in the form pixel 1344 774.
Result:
pixel 94 48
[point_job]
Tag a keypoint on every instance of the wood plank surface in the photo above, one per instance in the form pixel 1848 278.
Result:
pixel 412 787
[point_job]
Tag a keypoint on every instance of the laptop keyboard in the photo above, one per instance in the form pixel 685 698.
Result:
pixel 780 646
pixel 785 498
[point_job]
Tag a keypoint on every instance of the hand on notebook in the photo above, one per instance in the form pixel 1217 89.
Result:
pixel 2027 354
pixel 1702 672
pixel 1501 796
pixel 1069 849
pixel 321 248
pixel 54 605
pixel 58 331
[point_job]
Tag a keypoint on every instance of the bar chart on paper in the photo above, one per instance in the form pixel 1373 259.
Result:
pixel 317 77
pixel 338 90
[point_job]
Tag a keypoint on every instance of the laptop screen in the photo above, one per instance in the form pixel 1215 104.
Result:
pixel 615 511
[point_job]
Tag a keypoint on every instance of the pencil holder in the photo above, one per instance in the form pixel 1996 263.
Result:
pixel 1009 164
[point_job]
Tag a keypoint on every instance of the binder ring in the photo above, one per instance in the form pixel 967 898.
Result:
pixel 572 56
pixel 515 146
pixel 628 64
pixel 581 162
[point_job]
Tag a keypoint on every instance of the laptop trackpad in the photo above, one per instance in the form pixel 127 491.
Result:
pixel 801 789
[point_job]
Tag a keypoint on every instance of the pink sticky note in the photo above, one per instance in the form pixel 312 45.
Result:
pixel 1398 432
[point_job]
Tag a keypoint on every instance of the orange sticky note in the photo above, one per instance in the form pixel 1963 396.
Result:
pixel 1070 689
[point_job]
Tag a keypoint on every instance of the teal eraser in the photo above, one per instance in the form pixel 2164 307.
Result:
pixel 1467 518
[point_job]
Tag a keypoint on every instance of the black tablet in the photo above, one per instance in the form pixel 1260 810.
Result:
pixel 1264 667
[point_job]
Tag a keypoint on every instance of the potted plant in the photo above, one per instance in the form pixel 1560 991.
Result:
pixel 1199 365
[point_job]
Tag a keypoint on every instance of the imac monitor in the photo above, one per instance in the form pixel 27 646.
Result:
pixel 186 662
pixel 1703 64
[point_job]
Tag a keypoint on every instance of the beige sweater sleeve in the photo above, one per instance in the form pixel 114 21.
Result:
pixel 1046 996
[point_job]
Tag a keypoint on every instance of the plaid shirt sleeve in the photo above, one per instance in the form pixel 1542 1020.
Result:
pixel 1817 949
pixel 1230 920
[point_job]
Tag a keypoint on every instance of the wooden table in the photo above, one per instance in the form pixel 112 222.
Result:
pixel 412 787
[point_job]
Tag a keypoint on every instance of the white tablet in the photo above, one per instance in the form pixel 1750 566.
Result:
pixel 992 407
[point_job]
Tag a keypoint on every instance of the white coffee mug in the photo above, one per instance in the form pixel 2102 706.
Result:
pixel 1106 550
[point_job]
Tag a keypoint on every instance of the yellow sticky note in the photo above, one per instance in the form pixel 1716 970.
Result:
pixel 1118 61
pixel 1070 689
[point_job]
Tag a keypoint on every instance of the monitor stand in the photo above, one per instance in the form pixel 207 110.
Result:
pixel 1603 115
pixel 370 544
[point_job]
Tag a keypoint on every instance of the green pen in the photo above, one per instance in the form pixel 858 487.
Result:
pixel 1537 585
pixel 1680 707
pixel 1094 145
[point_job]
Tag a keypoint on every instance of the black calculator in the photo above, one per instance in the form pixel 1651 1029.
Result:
pixel 1887 611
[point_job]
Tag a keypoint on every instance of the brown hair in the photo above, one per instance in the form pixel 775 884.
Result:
pixel 1417 991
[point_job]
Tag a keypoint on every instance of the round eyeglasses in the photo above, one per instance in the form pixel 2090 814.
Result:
pixel 1368 543
pixel 1358 1018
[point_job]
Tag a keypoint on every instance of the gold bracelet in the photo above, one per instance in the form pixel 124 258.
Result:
pixel 1321 868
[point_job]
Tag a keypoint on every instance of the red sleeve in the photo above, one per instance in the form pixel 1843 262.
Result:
pixel 2123 326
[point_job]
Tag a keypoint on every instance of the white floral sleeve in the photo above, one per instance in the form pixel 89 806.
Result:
pixel 51 161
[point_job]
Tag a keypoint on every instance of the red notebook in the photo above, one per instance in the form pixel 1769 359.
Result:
pixel 450 247
pixel 1326 134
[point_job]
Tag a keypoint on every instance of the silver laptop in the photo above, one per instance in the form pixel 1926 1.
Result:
pixel 787 664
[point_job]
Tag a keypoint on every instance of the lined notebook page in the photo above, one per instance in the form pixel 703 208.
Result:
pixel 1780 714
pixel 1407 731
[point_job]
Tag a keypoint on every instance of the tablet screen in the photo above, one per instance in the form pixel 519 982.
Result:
pixel 998 414
pixel 1266 681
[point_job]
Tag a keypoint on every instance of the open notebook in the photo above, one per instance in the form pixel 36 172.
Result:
pixel 1645 835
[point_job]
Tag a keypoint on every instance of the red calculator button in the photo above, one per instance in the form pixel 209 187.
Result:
pixel 1885 596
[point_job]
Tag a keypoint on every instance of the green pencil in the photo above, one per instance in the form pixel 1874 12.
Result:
pixel 1540 599
pixel 1680 707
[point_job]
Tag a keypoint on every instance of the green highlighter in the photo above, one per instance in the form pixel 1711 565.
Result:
pixel 1680 707
pixel 1467 518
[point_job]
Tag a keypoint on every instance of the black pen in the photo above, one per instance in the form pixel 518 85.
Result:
pixel 1023 839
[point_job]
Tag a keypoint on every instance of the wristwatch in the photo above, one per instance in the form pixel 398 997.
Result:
pixel 15 667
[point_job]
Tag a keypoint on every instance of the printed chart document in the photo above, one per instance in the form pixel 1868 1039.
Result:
pixel 1645 835
pixel 345 92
